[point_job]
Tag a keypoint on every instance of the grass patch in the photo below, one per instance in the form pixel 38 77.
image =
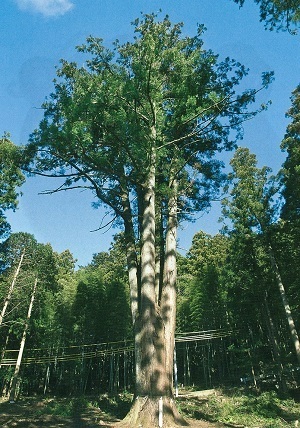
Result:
pixel 235 407
pixel 112 407
pixel 70 407
pixel 115 406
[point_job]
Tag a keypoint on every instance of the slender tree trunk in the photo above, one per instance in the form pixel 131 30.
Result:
pixel 13 390
pixel 47 378
pixel 160 252
pixel 111 373
pixel 168 298
pixel 275 348
pixel 131 255
pixel 11 288
pixel 5 346
pixel 251 362
pixel 287 309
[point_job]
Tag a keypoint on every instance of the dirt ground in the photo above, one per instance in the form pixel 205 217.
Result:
pixel 32 413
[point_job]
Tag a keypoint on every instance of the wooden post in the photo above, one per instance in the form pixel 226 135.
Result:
pixel 160 412
pixel 175 372
pixel 124 370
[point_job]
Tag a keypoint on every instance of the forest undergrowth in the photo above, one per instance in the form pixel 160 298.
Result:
pixel 235 408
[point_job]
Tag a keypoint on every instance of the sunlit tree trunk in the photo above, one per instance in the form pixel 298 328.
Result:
pixel 160 251
pixel 275 348
pixel 149 370
pixel 14 384
pixel 155 323
pixel 131 256
pixel 5 346
pixel 11 288
pixel 168 298
pixel 287 309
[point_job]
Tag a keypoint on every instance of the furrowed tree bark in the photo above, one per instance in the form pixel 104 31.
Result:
pixel 149 346
pixel 149 370
pixel 154 322
pixel 131 256
pixel 155 325
pixel 160 251
pixel 168 299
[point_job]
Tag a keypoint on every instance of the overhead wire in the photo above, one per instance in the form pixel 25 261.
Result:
pixel 106 348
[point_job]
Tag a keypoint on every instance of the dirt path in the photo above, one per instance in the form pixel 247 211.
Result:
pixel 34 413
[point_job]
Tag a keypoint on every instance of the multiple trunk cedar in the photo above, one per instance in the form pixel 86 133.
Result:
pixel 153 304
pixel 131 126
pixel 152 278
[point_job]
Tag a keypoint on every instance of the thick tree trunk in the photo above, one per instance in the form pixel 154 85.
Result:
pixel 168 298
pixel 150 370
pixel 287 309
pixel 153 314
pixel 160 253
pixel 154 321
pixel 153 412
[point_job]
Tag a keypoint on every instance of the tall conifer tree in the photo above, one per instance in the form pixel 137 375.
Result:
pixel 139 126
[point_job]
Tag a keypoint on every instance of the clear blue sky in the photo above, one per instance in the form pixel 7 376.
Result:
pixel 35 34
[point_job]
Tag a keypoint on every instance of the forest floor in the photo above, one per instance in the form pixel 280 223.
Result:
pixel 202 409
pixel 35 412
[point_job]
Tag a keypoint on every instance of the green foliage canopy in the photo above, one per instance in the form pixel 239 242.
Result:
pixel 291 167
pixel 253 201
pixel 97 131
pixel 11 178
pixel 278 14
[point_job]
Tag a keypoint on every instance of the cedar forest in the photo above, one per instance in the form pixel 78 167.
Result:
pixel 141 126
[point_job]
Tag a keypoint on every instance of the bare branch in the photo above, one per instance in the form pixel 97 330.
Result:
pixel 109 223
pixel 64 189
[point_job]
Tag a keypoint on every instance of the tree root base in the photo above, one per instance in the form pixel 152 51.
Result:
pixel 144 413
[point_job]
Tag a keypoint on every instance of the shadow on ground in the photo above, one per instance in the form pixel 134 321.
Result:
pixel 31 413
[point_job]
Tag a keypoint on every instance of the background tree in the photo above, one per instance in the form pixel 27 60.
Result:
pixel 11 178
pixel 139 126
pixel 38 267
pixel 290 173
pixel 205 261
pixel 202 311
pixel 253 210
pixel 277 14
pixel 287 233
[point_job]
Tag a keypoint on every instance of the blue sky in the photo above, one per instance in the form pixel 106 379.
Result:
pixel 36 34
